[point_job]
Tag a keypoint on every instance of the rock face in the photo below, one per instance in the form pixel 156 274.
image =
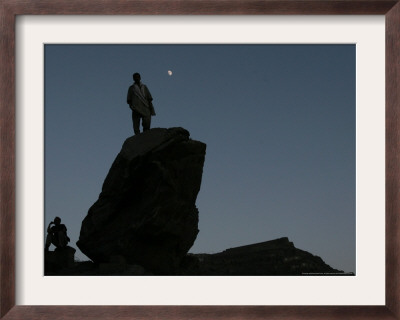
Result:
pixel 55 262
pixel 270 258
pixel 146 213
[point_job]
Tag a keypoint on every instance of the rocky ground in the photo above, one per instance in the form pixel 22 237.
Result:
pixel 271 258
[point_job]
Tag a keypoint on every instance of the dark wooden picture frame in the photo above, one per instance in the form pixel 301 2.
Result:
pixel 10 9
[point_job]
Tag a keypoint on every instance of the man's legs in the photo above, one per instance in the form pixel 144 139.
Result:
pixel 136 122
pixel 146 121
pixel 62 239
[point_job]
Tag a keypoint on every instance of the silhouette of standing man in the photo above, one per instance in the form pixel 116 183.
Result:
pixel 140 102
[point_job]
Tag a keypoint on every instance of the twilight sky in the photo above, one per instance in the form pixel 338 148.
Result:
pixel 278 121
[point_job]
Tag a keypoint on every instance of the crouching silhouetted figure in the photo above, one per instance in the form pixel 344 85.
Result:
pixel 57 234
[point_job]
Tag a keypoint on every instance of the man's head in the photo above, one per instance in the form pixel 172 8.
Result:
pixel 57 220
pixel 136 77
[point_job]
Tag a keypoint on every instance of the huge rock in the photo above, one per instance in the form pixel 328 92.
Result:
pixel 146 212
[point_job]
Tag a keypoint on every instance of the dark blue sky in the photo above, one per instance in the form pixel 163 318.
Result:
pixel 278 121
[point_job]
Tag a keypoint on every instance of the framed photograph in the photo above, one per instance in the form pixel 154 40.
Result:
pixel 351 46
pixel 253 151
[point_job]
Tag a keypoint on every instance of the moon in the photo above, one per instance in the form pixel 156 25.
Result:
pixel 169 72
